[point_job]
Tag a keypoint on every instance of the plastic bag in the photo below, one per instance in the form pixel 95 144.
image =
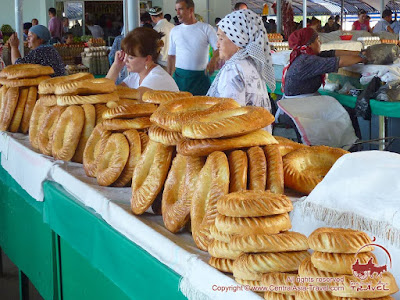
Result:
pixel 363 108
pixel 382 54
pixel 345 90
pixel 389 92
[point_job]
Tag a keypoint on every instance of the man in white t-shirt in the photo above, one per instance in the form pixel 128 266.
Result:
pixel 188 50
pixel 162 25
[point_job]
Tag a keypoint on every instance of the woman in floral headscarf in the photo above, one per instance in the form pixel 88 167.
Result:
pixel 243 44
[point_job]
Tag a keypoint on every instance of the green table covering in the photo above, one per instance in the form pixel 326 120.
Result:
pixel 133 270
pixel 379 108
pixel 25 239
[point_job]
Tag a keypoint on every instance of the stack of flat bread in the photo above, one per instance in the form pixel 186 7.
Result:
pixel 18 94
pixel 252 241
pixel 337 253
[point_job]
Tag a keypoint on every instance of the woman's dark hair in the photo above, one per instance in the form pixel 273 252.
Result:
pixel 143 41
pixel 362 12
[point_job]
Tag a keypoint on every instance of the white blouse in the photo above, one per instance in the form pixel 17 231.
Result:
pixel 242 82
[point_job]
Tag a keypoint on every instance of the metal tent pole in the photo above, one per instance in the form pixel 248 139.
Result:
pixel 382 6
pixel 19 25
pixel 279 16
pixel 304 13
pixel 133 14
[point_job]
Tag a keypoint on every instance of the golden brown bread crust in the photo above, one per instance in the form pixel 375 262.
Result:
pixel 228 123
pixel 253 204
pixel 38 115
pixel 281 242
pixel 135 151
pixel 222 264
pixel 222 250
pixel 26 71
pixel 250 283
pixel 126 124
pixel 23 82
pixel 279 279
pixel 88 126
pixel 306 167
pixel 339 240
pixel 262 225
pixel 112 160
pixel 130 111
pixel 8 105
pixel 86 87
pixel 274 262
pixel 174 113
pixel 144 140
pixel 257 169
pixel 278 296
pixel 339 263
pixel 308 270
pixel 168 138
pixel 125 92
pixel 48 100
pixel 67 133
pixel 149 176
pixel 160 97
pixel 213 182
pixel 241 270
pixel 178 191
pixel 319 295
pixel 46 130
pixel 94 148
pixel 29 105
pixel 19 110
pixel 237 171
pixel 205 147
pixel 48 86
pixel 100 109
pixel 90 99
pixel 275 177
pixel 218 235
pixel 286 146
pixel 386 282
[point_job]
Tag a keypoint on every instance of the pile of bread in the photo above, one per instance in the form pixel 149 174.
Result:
pixel 252 241
pixel 19 94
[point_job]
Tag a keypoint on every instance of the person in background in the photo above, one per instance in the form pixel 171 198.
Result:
pixel 27 25
pixel 168 17
pixel 384 24
pixel 272 26
pixel 41 52
pixel 187 61
pixel 315 24
pixel 116 46
pixel 77 29
pixel 216 21
pixel 362 23
pixel 69 38
pixel 145 20
pixel 162 25
pixel 337 24
pixel 96 30
pixel 140 50
pixel 55 26
pixel 176 21
pixel 240 5
pixel 330 25
pixel 248 64
pixel 65 24
pixel 35 22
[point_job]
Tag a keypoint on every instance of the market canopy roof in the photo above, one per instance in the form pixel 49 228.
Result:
pixel 328 7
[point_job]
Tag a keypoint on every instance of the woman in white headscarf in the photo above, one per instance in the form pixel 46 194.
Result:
pixel 243 44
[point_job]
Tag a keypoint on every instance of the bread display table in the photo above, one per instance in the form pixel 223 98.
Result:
pixel 104 251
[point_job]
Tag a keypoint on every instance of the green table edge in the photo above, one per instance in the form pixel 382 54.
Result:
pixel 133 270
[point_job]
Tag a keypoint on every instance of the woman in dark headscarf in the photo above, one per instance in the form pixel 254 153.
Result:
pixel 321 120
pixel 41 52
pixel 308 65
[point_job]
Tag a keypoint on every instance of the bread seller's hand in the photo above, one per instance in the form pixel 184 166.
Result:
pixel 13 41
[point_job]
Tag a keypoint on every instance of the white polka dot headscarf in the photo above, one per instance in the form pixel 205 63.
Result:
pixel 246 30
